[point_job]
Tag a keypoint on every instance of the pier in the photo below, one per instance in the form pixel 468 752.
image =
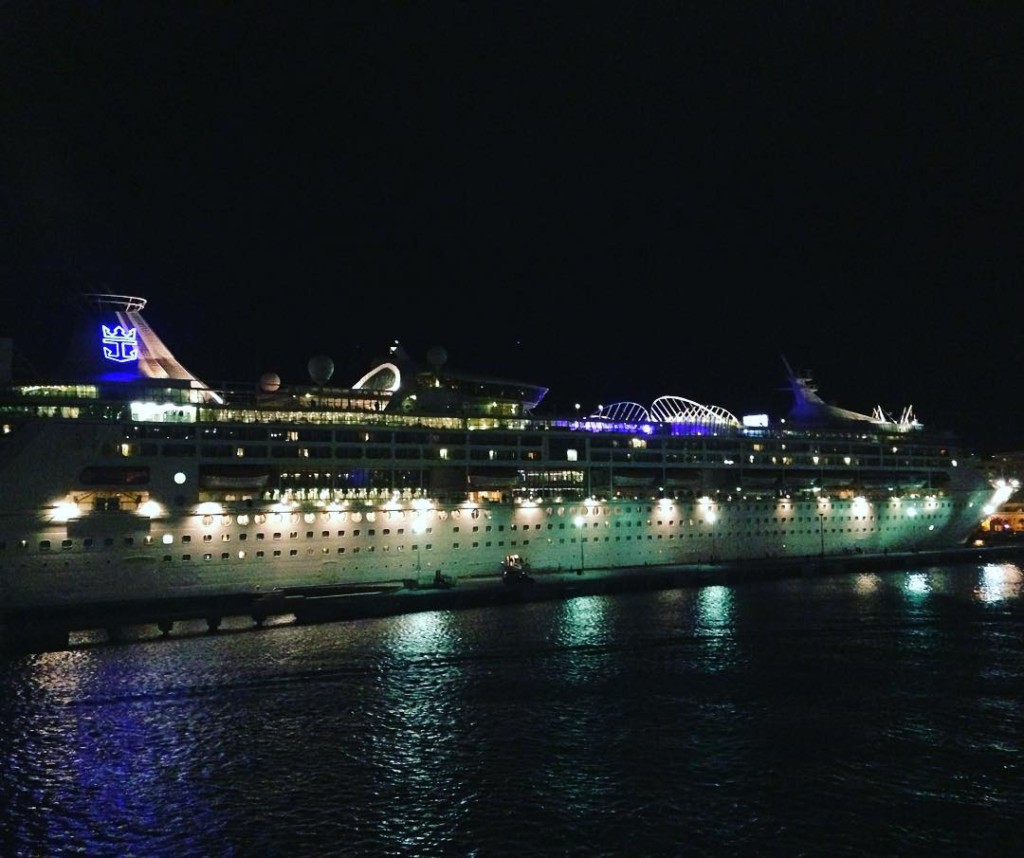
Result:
pixel 52 629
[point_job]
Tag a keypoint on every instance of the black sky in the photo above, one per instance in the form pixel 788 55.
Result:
pixel 617 200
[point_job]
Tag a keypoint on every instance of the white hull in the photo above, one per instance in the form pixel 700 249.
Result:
pixel 252 552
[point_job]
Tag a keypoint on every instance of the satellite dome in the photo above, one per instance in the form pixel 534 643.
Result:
pixel 270 382
pixel 321 368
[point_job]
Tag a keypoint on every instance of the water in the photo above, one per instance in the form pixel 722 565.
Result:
pixel 862 714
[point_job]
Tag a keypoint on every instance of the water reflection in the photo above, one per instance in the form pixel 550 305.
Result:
pixel 714 608
pixel 990 583
pixel 583 620
pixel 879 709
pixel 999 581
pixel 427 632
pixel 715 627
pixel 411 746
pixel 917 584
pixel 89 763
pixel 867 583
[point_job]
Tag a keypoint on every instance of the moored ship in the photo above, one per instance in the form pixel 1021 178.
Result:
pixel 126 477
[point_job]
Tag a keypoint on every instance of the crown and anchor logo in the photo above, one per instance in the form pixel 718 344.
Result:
pixel 120 344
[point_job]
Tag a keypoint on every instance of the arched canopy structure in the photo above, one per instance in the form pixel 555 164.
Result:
pixel 669 409
pixel 676 409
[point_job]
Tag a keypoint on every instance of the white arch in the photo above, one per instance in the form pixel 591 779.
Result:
pixel 387 377
pixel 623 412
pixel 676 409
pixel 668 409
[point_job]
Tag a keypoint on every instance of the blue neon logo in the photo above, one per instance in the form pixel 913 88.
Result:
pixel 120 344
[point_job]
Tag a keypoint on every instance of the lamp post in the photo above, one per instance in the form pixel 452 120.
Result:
pixel 418 528
pixel 711 518
pixel 578 521
pixel 821 531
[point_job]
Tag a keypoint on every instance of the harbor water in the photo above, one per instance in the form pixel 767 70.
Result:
pixel 863 713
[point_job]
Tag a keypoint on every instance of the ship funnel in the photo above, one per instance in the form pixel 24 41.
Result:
pixel 112 342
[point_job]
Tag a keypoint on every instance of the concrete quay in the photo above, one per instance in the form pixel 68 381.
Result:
pixel 52 629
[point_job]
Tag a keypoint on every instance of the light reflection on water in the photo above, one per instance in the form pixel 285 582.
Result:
pixel 869 713
pixel 999 581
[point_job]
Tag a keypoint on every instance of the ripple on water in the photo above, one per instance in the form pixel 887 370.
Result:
pixel 857 715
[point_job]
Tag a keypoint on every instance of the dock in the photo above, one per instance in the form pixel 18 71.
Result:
pixel 53 629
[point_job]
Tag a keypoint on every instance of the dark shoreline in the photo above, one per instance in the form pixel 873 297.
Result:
pixel 45 630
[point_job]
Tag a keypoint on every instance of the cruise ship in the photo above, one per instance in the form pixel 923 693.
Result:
pixel 126 477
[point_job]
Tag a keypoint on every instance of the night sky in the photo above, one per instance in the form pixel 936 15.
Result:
pixel 615 200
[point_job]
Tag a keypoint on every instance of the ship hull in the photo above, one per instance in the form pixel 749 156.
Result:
pixel 252 551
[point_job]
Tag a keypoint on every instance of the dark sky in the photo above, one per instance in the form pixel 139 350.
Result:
pixel 617 201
